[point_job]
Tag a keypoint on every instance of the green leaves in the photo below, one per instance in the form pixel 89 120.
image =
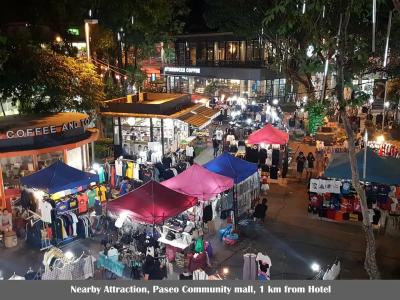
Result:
pixel 40 80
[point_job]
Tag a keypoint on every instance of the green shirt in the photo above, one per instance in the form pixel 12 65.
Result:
pixel 91 197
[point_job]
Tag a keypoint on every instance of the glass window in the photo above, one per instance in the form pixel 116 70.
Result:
pixel 242 51
pixel 232 49
pixel 192 53
pixel 221 51
pixel 256 50
pixel 201 52
pixel 45 160
pixel 14 168
pixel 210 51
pixel 249 51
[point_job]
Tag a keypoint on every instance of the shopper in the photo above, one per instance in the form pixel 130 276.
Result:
pixel 301 159
pixel 215 145
pixel 5 221
pixel 310 165
pixel 261 210
pixel 124 186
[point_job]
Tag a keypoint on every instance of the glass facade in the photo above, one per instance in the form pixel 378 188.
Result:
pixel 221 53
pixel 149 134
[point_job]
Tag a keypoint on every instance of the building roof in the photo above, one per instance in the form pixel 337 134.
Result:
pixel 41 120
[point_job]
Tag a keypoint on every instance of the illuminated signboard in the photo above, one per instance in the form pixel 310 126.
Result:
pixel 73 31
pixel 48 129
pixel 183 70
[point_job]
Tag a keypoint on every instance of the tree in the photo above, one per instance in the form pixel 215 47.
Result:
pixel 40 80
pixel 335 31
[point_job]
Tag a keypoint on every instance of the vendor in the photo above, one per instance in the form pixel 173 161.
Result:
pixel 5 221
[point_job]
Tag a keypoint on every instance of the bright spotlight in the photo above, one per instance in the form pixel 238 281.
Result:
pixel 315 267
pixel 69 255
pixel 275 102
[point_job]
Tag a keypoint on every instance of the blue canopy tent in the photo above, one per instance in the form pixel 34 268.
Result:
pixel 233 167
pixel 379 169
pixel 58 177
pixel 245 176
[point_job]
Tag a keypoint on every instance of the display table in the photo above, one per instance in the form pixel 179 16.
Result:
pixel 114 266
pixel 173 243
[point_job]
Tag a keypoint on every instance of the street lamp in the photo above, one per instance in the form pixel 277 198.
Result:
pixel 365 155
pixel 87 33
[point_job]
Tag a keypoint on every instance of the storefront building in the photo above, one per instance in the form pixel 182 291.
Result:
pixel 241 67
pixel 154 122
pixel 30 143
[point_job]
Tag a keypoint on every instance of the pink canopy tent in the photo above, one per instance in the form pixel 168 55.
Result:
pixel 199 182
pixel 152 203
pixel 268 135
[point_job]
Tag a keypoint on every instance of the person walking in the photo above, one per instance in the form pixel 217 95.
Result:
pixel 260 210
pixel 301 160
pixel 215 145
pixel 310 165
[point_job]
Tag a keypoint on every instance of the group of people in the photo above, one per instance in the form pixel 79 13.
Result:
pixel 311 164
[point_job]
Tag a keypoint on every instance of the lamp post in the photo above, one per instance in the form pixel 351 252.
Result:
pixel 87 34
pixel 365 155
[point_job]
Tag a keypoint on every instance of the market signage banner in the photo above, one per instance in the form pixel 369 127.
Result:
pixel 48 129
pixel 221 289
pixel 322 186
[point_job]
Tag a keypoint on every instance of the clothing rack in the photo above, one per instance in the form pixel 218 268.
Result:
pixel 36 218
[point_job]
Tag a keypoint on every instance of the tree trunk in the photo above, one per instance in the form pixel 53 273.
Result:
pixel 370 263
pixel 2 108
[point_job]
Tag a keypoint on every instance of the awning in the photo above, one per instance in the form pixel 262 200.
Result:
pixel 379 169
pixel 268 135
pixel 233 167
pixel 58 177
pixel 199 182
pixel 200 117
pixel 152 203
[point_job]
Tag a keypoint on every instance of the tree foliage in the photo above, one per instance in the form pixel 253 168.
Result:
pixel 41 80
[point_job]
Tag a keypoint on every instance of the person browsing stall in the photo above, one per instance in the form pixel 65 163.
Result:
pixel 5 221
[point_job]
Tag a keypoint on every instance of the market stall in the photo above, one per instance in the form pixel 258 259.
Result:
pixel 246 179
pixel 333 196
pixel 268 135
pixel 58 198
pixel 199 182
pixel 174 235
pixel 272 154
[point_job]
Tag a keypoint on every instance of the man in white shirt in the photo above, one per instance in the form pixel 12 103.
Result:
pixel 190 154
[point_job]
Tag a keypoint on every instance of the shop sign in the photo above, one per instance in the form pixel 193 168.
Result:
pixel 321 186
pixel 44 130
pixel 182 70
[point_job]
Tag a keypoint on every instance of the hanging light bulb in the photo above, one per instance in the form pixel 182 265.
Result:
pixel 323 12
pixel 304 7
pixel 117 77
pixel 125 77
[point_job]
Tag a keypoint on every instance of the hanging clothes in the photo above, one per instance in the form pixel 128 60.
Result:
pixel 101 174
pixel 112 176
pixel 118 167
pixel 207 213
pixel 129 170
pixel 91 197
pixel 249 266
pixel 264 267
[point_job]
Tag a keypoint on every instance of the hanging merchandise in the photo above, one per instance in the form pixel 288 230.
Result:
pixel 101 173
pixel 264 267
pixel 249 266
pixel 91 193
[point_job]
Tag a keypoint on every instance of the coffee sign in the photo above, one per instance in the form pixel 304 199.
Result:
pixel 48 129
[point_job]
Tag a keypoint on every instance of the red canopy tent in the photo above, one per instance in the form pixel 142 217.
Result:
pixel 268 135
pixel 152 203
pixel 199 182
